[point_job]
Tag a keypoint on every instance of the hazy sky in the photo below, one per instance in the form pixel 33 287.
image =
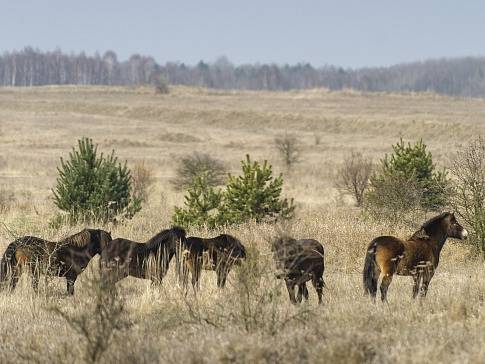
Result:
pixel 349 33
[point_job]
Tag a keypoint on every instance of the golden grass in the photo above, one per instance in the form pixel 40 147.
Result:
pixel 38 125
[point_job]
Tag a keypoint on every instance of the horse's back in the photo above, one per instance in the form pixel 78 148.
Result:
pixel 119 248
pixel 312 245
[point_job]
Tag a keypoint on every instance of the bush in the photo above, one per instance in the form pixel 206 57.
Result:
pixel 199 165
pixel 468 199
pixel 289 149
pixel 407 181
pixel 7 199
pixel 92 187
pixel 253 195
pixel 142 179
pixel 353 176
pixel 202 204
pixel 102 317
pixel 161 85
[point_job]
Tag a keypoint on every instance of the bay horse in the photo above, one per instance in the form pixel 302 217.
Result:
pixel 66 258
pixel 301 261
pixel 417 256
pixel 220 254
pixel 122 257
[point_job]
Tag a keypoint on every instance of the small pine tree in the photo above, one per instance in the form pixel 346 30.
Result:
pixel 255 195
pixel 409 165
pixel 92 187
pixel 202 204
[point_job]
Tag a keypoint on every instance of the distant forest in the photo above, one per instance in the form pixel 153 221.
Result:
pixel 32 67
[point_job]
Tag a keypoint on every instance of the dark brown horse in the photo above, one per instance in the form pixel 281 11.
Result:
pixel 220 254
pixel 417 256
pixel 301 261
pixel 122 257
pixel 67 258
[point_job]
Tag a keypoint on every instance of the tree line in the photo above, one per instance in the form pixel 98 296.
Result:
pixel 33 67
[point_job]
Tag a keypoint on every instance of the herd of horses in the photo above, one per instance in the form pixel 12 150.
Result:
pixel 299 261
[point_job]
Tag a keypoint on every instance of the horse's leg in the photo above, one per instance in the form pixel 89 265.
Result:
pixel 71 279
pixel 196 275
pixel 417 281
pixel 222 271
pixel 35 277
pixel 427 275
pixel 318 284
pixel 305 292
pixel 300 292
pixel 15 276
pixel 386 281
pixel 290 286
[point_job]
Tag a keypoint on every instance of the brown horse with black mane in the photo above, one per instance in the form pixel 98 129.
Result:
pixel 301 261
pixel 122 257
pixel 220 254
pixel 417 256
pixel 67 258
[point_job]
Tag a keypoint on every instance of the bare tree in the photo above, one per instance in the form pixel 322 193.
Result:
pixel 353 176
pixel 468 169
pixel 289 149
pixel 142 179
pixel 198 165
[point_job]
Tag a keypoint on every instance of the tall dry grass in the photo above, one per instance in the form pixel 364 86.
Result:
pixel 251 320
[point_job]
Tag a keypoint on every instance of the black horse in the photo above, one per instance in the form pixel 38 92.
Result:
pixel 301 261
pixel 220 254
pixel 67 258
pixel 122 257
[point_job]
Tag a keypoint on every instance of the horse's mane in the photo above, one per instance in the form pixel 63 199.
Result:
pixel 428 227
pixel 163 236
pixel 81 239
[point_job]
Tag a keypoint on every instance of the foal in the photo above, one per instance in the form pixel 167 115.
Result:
pixel 122 257
pixel 67 258
pixel 417 256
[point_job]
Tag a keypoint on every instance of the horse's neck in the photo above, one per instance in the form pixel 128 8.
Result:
pixel 438 240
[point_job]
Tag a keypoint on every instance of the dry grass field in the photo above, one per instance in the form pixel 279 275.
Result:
pixel 251 320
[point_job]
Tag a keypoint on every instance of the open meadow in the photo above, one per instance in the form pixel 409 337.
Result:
pixel 251 320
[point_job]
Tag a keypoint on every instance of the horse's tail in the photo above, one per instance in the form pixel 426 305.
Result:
pixel 370 274
pixel 8 262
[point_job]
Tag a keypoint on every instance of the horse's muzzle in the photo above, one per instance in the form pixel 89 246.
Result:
pixel 464 234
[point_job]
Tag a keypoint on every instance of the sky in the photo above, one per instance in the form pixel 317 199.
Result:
pixel 347 33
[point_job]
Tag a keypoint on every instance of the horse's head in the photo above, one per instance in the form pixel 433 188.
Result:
pixel 233 248
pixel 179 233
pixel 454 229
pixel 104 237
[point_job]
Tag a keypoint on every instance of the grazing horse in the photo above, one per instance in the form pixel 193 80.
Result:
pixel 417 256
pixel 301 260
pixel 67 258
pixel 220 253
pixel 122 257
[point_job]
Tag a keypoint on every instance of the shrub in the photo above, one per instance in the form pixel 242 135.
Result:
pixel 289 149
pixel 196 165
pixel 92 187
pixel 353 176
pixel 468 199
pixel 201 206
pixel 7 199
pixel 142 179
pixel 407 180
pixel 103 315
pixel 253 195
pixel 161 85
